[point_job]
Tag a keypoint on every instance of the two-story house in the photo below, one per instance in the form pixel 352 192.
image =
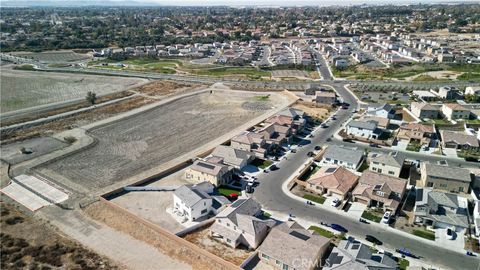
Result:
pixel 211 169
pixel 351 158
pixel 251 142
pixel 388 164
pixel 238 224
pixel 193 202
pixel 453 111
pixel 424 110
pixel 363 129
pixel 420 133
pixel 445 178
pixel 379 190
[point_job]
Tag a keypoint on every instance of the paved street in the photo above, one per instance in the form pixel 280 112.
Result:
pixel 269 193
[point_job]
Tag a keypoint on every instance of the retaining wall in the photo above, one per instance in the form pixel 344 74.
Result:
pixel 170 244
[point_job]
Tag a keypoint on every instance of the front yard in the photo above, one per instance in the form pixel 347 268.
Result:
pixel 468 154
pixel 225 191
pixel 424 234
pixel 313 198
pixel 261 163
pixel 372 216
pixel 321 231
pixel 414 146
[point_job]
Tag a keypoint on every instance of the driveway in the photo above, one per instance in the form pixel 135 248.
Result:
pixel 450 152
pixel 356 210
pixel 456 244
pixel 401 145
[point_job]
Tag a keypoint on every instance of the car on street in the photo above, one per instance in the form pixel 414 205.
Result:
pixel 249 189
pixel 372 239
pixel 273 167
pixel 324 126
pixel 374 145
pixel 386 217
pixel 318 147
pixel 336 202
pixel 339 228
pixel 310 154
pixel 294 151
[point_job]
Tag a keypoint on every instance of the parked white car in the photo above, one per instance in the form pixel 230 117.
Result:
pixel 386 217
pixel 336 202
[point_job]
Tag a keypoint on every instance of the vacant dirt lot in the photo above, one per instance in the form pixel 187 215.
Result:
pixel 312 110
pixel 202 239
pixel 24 89
pixel 28 243
pixel 135 144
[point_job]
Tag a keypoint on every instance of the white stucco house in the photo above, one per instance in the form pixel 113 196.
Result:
pixel 193 202
pixel 363 129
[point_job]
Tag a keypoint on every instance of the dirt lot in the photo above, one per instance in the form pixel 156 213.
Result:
pixel 202 239
pixel 149 93
pixel 25 89
pixel 27 243
pixel 141 142
pixel 313 111
pixel 152 205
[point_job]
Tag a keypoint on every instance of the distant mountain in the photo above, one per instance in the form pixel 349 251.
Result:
pixel 74 3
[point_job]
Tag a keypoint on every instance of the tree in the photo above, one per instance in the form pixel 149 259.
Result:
pixel 91 97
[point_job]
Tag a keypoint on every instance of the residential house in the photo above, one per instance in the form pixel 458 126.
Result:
pixel 363 129
pixel 338 155
pixel 211 169
pixel 193 202
pixel 424 95
pixel 386 110
pixel 382 123
pixel 388 164
pixel 424 110
pixel 275 134
pixel 233 157
pixel 287 121
pixel 332 180
pixel 458 140
pixel 441 210
pixel 238 224
pixel 423 134
pixel 453 111
pixel 445 178
pixel 251 142
pixel 379 190
pixel 312 89
pixel 353 255
pixel 290 246
pixel 447 92
pixel 324 97
pixel 298 117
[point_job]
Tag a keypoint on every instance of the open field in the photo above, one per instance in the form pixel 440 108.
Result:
pixel 25 89
pixel 52 57
pixel 28 243
pixel 141 142
pixel 39 146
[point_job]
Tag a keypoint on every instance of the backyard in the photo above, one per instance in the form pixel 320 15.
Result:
pixel 225 191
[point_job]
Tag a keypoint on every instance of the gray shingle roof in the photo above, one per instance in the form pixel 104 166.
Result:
pixel 447 172
pixel 231 155
pixel 289 243
pixel 345 154
pixel 395 159
pixel 190 195
pixel 370 125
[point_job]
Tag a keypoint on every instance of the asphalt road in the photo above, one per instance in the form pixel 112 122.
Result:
pixel 269 193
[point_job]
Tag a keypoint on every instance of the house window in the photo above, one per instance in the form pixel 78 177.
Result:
pixel 204 211
pixel 380 193
pixel 285 267
pixel 391 172
pixel 228 224
pixel 229 241
pixel 376 163
pixel 219 221
pixel 374 169
pixel 460 189
pixel 278 262
pixel 429 184
pixel 204 203
pixel 265 256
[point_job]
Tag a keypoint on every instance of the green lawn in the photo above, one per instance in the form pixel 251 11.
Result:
pixel 469 76
pixel 370 216
pixel 468 154
pixel 261 163
pixel 266 214
pixel 313 198
pixel 424 234
pixel 403 264
pixel 414 146
pixel 321 231
pixel 227 191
